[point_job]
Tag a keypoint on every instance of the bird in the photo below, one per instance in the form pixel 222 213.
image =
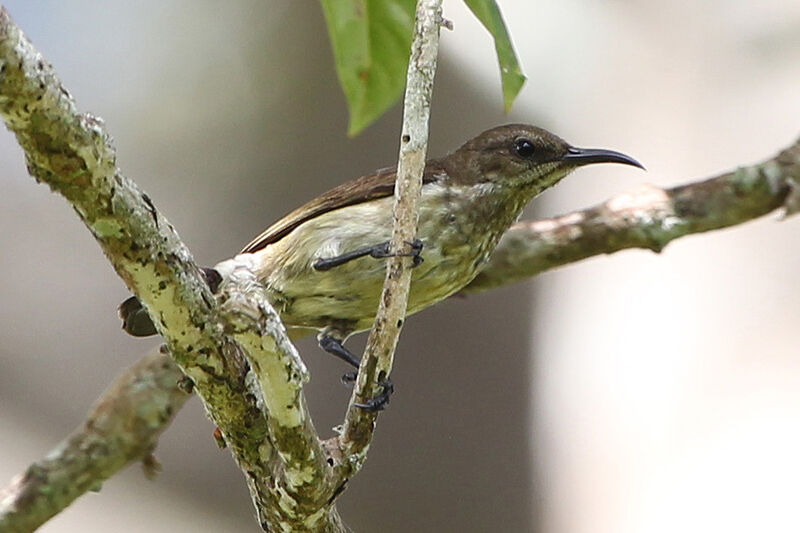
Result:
pixel 320 264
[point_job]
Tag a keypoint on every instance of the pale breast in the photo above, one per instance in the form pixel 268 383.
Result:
pixel 456 236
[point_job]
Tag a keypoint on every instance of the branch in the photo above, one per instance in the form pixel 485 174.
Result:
pixel 649 218
pixel 376 364
pixel 72 153
pixel 306 477
pixel 121 428
pixel 262 414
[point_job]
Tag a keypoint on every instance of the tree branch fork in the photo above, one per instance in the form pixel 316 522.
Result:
pixel 232 348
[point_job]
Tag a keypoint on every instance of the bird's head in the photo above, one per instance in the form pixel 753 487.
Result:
pixel 524 156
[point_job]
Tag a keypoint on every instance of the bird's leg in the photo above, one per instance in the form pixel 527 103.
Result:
pixel 377 251
pixel 333 345
pixel 330 340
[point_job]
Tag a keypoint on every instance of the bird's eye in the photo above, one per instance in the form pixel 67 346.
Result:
pixel 524 148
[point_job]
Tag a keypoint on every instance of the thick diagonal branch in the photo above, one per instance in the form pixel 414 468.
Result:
pixel 72 153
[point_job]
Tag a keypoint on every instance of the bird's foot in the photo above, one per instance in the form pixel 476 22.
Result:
pixel 378 251
pixel 382 250
pixel 379 402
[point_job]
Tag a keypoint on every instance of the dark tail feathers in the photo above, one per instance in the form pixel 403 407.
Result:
pixel 135 320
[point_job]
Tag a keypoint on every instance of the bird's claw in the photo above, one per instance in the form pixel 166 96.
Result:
pixel 382 251
pixel 379 402
pixel 348 378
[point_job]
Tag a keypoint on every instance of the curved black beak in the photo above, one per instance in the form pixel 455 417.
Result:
pixel 587 156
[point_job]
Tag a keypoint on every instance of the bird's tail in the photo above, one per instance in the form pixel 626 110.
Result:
pixel 135 320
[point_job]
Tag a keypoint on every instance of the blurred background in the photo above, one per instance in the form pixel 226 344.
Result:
pixel 628 393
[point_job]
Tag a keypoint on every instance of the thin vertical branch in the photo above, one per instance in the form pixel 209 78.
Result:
pixel 376 364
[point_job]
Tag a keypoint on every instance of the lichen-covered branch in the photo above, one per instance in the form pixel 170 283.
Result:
pixel 121 428
pixel 72 153
pixel 301 498
pixel 648 218
pixel 376 364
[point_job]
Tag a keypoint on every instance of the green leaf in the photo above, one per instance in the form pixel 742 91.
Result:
pixel 371 44
pixel 510 72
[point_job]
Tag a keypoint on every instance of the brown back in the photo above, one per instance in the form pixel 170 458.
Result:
pixel 370 187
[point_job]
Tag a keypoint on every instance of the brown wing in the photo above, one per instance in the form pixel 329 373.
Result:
pixel 377 185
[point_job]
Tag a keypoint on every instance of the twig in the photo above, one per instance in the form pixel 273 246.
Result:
pixel 122 427
pixel 649 218
pixel 376 363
